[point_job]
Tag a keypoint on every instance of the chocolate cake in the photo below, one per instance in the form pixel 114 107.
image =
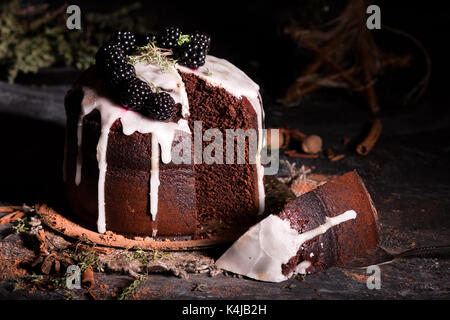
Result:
pixel 328 226
pixel 119 171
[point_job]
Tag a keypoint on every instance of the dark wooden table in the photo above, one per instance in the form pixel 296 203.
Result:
pixel 407 175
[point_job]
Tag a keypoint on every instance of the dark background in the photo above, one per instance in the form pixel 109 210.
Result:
pixel 248 33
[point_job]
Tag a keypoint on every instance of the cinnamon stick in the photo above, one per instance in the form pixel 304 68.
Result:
pixel 337 157
pixel 7 209
pixel 295 154
pixel 369 142
pixel 11 217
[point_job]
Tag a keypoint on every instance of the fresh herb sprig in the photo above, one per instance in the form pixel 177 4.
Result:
pixel 151 53
pixel 131 289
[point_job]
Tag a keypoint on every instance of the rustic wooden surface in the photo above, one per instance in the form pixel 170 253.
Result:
pixel 407 175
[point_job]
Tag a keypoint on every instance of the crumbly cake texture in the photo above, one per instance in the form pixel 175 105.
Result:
pixel 224 191
pixel 118 172
pixel 331 225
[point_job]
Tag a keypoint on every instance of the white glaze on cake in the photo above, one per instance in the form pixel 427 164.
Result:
pixel 216 72
pixel 264 248
pixel 162 136
pixel 301 268
pixel 221 73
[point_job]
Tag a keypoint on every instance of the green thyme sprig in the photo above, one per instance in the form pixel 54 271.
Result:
pixel 131 289
pixel 150 53
pixel 155 88
pixel 21 225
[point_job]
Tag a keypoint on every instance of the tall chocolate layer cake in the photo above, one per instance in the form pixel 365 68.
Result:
pixel 119 171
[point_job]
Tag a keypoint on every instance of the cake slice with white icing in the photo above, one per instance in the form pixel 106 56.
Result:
pixel 328 226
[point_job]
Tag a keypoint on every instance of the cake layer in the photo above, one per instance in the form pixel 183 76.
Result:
pixel 228 192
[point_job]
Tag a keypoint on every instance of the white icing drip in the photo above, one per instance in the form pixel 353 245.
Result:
pixel 262 250
pixel 154 178
pixel 162 135
pixel 169 81
pixel 302 266
pixel 108 118
pixel 221 73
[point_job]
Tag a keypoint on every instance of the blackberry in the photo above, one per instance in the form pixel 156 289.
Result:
pixel 202 40
pixel 190 57
pixel 168 39
pixel 192 60
pixel 120 74
pixel 110 56
pixel 193 53
pixel 125 40
pixel 160 106
pixel 134 94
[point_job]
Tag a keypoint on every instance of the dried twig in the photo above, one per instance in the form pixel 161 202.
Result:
pixel 346 55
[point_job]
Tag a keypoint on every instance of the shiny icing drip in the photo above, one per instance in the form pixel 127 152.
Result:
pixel 221 73
pixel 262 250
pixel 154 177
pixel 162 136
pixel 302 266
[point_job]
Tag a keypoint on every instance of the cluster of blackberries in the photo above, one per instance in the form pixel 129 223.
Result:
pixel 190 50
pixel 130 91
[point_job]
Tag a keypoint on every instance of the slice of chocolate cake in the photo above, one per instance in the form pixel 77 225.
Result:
pixel 328 226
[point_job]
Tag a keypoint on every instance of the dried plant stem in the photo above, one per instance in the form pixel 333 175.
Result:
pixel 346 55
